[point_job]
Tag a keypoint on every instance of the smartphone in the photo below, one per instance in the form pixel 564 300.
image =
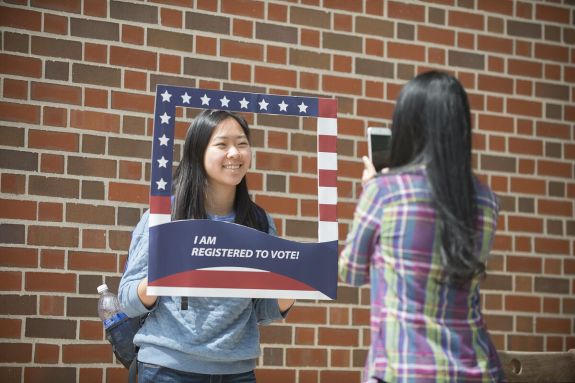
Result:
pixel 379 147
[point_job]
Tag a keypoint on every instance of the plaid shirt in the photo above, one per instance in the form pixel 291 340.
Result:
pixel 421 330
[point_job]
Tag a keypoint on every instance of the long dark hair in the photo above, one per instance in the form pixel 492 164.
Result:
pixel 190 178
pixel 432 125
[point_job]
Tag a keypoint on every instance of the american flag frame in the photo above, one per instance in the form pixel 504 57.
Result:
pixel 168 98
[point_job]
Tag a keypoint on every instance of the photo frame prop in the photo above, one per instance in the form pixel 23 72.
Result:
pixel 218 259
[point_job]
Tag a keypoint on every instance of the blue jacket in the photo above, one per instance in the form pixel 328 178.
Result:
pixel 213 336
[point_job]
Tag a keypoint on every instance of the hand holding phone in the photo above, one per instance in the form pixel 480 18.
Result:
pixel 379 147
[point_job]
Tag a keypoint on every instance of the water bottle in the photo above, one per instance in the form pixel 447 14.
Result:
pixel 109 309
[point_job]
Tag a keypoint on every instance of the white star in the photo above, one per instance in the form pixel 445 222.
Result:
pixel 165 118
pixel 302 107
pixel 186 98
pixel 161 184
pixel 166 96
pixel 244 103
pixel 205 100
pixel 283 106
pixel 263 104
pixel 162 162
pixel 225 101
pixel 163 140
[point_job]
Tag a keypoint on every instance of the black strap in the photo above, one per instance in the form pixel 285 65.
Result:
pixel 133 371
pixel 184 303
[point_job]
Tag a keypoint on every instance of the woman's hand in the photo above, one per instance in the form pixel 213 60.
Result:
pixel 285 304
pixel 368 170
pixel 147 300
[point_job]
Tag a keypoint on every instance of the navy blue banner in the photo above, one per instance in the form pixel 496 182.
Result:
pixel 188 245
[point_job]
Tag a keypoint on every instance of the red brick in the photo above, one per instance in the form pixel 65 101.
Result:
pixel 132 102
pixel 46 353
pixel 276 55
pixel 404 51
pixel 554 207
pixel 375 109
pixel 306 314
pixel 435 35
pixel 525 68
pixel 97 98
pixel 171 17
pixel 241 72
pixel 15 89
pixel 56 93
pixel 16 352
pixel 42 139
pixel 524 264
pixel 241 50
pixel 10 280
pixel 275 375
pixel 98 121
pixel 522 303
pixel 52 163
pixel 525 224
pixel 51 305
pixel 19 112
pixel 55 24
pixel 50 211
pixel 132 35
pixel 14 209
pixel 466 20
pixel 57 282
pixel 524 107
pixel 55 116
pixel 248 8
pixel 133 58
pixel 20 19
pixel 96 53
pixel 276 76
pixel 309 37
pixel 10 328
pixel 553 325
pixel 552 246
pixel 86 353
pixel 553 14
pixel 170 63
pixel 128 192
pixel 405 11
pixel 92 261
pixel 528 185
pixel 52 259
pixel 306 357
pixel 338 337
pixel 554 169
pixel 98 8
pixel 53 236
pixel 549 52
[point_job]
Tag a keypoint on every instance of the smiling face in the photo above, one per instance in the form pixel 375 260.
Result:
pixel 228 155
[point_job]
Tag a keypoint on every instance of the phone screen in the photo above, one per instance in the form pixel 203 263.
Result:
pixel 380 146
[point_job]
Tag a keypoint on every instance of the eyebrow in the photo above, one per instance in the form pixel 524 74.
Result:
pixel 227 137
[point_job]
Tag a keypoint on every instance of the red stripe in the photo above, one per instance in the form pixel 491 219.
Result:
pixel 231 280
pixel 327 143
pixel 327 107
pixel 327 178
pixel 160 204
pixel 328 213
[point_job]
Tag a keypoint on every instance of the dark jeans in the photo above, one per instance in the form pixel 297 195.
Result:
pixel 151 373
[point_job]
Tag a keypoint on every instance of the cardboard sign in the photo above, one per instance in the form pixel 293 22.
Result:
pixel 219 259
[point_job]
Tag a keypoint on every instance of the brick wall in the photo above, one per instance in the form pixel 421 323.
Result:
pixel 77 86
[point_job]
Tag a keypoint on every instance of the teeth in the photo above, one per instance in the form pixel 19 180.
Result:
pixel 232 166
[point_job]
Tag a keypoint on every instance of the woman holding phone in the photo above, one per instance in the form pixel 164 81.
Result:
pixel 421 234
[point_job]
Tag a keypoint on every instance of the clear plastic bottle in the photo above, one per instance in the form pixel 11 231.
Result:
pixel 109 309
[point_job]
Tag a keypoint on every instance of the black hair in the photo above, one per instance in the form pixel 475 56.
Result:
pixel 432 126
pixel 190 178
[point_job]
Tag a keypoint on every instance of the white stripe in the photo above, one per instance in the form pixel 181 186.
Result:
pixel 235 293
pixel 326 161
pixel 327 195
pixel 234 269
pixel 158 219
pixel 327 126
pixel 327 231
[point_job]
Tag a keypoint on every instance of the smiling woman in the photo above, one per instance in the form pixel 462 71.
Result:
pixel 195 338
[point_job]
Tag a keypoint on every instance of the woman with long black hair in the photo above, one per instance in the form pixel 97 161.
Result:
pixel 421 233
pixel 195 339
